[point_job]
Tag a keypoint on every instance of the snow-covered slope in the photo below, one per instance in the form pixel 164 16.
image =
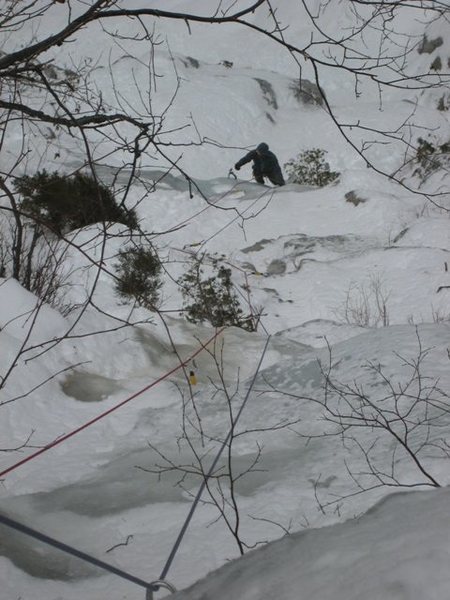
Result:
pixel 356 271
pixel 398 549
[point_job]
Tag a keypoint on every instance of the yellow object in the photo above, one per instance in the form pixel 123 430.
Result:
pixel 192 378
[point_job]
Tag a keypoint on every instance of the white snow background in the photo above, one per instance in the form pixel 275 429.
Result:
pixel 302 252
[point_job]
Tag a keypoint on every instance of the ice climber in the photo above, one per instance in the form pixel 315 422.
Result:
pixel 265 164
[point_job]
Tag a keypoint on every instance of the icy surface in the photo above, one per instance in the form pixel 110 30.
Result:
pixel 317 266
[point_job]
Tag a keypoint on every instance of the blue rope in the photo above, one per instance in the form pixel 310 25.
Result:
pixel 211 469
pixel 73 551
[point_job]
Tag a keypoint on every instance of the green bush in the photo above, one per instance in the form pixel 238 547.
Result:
pixel 212 299
pixel 431 157
pixel 310 168
pixel 139 271
pixel 64 203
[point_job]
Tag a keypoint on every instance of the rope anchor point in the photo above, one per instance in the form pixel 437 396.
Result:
pixel 159 583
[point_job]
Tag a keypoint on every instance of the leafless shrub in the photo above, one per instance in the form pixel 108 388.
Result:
pixel 439 315
pixel 392 427
pixel 409 416
pixel 202 444
pixel 36 259
pixel 365 304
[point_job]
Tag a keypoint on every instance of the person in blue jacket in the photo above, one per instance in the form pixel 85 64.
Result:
pixel 265 164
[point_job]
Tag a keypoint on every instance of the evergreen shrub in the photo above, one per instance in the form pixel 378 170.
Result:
pixel 212 299
pixel 64 203
pixel 310 168
pixel 139 276
pixel 431 157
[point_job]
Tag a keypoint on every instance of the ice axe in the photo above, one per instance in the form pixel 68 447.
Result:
pixel 231 173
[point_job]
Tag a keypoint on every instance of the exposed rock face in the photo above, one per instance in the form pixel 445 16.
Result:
pixel 307 92
pixel 276 267
pixel 428 46
pixel 353 198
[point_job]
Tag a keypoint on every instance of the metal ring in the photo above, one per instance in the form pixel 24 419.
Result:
pixel 159 583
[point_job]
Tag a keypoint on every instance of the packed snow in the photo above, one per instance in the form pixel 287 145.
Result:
pixel 353 287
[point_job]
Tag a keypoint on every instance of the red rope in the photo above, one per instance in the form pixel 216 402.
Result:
pixel 107 412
